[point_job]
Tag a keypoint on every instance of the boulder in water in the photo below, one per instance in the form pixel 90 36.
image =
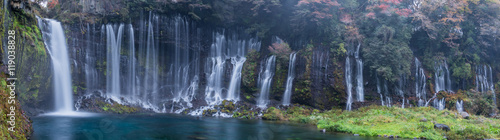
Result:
pixel 356 134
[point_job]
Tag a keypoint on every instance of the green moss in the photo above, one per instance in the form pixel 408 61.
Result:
pixel 105 108
pixel 116 108
pixel 23 127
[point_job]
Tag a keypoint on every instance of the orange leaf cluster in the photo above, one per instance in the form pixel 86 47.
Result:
pixel 52 4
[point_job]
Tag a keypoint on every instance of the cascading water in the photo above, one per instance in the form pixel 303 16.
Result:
pixel 359 77
pixel 439 104
pixel 484 80
pixel 131 75
pixel 237 51
pixel 386 94
pixel 184 66
pixel 215 67
pixel 53 35
pixel 442 77
pixel 222 50
pixel 420 83
pixel 320 62
pixel 113 43
pixel 289 80
pixel 91 74
pixel 400 89
pixel 379 89
pixel 163 75
pixel 460 106
pixel 348 82
pixel 360 89
pixel 265 79
pixel 150 79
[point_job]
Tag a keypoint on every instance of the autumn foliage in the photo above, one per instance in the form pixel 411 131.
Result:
pixel 280 48
pixel 321 9
pixel 387 7
pixel 52 3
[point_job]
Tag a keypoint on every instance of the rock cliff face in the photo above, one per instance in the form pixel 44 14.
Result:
pixel 179 59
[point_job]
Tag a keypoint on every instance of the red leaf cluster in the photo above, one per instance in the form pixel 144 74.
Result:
pixel 52 4
pixel 403 12
pixel 370 15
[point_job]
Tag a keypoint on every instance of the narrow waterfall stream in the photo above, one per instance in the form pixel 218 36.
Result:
pixel 358 77
pixel 442 77
pixel 420 83
pixel 289 81
pixel 266 74
pixel 114 41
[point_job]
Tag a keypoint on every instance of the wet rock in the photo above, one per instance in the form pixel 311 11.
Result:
pixel 423 120
pixel 356 134
pixel 323 130
pixel 464 115
pixel 441 126
pixel 391 136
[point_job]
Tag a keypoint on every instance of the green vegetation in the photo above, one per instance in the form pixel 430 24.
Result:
pixel 249 74
pixel 115 108
pixel 380 120
pixel 22 128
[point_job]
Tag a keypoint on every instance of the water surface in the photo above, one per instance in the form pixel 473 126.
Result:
pixel 172 127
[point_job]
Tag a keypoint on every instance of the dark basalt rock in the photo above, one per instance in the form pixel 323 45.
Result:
pixel 441 126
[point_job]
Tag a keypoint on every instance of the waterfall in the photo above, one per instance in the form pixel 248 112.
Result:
pixel 348 82
pixel 131 75
pixel 113 43
pixel 55 41
pixel 265 78
pixel 460 106
pixel 185 65
pixel 420 83
pixel 320 61
pixel 222 50
pixel 215 66
pixel 484 80
pixel 159 64
pixel 400 89
pixel 442 77
pixel 91 74
pixel 150 80
pixel 289 80
pixel 386 94
pixel 379 89
pixel 439 104
pixel 359 76
pixel 234 84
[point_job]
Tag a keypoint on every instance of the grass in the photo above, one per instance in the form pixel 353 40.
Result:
pixel 405 123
